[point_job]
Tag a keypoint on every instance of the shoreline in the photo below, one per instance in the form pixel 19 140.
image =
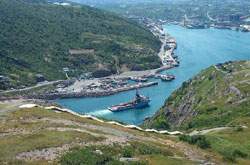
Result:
pixel 58 109
pixel 241 28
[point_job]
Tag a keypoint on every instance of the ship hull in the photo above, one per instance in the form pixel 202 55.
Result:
pixel 138 103
pixel 129 107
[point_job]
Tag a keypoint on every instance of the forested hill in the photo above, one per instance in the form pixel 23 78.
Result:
pixel 37 37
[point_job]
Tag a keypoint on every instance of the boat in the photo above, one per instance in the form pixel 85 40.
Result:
pixel 138 102
pixel 167 77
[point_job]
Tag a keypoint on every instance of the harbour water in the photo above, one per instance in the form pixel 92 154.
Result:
pixel 197 50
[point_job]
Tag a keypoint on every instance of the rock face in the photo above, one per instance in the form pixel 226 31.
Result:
pixel 213 98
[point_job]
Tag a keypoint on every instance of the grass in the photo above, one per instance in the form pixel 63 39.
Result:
pixel 232 144
pixel 146 153
pixel 11 145
pixel 200 140
pixel 29 128
pixel 162 160
pixel 35 135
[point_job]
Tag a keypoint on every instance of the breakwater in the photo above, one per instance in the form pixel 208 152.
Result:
pixel 84 93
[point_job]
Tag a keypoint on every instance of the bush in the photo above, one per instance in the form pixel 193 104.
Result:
pixel 146 149
pixel 238 153
pixel 229 157
pixel 128 152
pixel 85 156
pixel 232 154
pixel 199 140
pixel 161 123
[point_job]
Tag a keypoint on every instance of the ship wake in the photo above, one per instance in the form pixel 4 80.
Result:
pixel 101 112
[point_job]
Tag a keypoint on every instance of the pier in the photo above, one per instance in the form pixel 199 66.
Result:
pixel 95 92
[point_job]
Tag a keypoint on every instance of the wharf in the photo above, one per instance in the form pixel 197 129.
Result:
pixel 92 93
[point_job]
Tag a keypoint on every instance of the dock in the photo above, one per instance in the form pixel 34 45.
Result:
pixel 92 93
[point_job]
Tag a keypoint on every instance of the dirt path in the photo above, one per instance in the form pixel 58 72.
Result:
pixel 206 131
pixel 32 87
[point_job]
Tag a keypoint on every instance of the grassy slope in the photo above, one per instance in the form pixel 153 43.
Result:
pixel 27 130
pixel 213 104
pixel 215 97
pixel 36 38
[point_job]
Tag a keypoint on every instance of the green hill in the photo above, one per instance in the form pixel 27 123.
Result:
pixel 41 38
pixel 216 97
pixel 213 109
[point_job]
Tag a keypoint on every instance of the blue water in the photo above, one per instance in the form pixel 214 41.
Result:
pixel 197 49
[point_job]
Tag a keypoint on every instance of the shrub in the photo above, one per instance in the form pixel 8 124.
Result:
pixel 199 140
pixel 229 156
pixel 146 149
pixel 85 156
pixel 161 123
pixel 128 152
pixel 232 154
pixel 239 153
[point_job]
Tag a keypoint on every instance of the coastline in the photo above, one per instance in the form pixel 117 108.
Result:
pixel 241 28
pixel 58 109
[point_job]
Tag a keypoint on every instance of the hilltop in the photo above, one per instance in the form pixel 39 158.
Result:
pixel 218 100
pixel 41 40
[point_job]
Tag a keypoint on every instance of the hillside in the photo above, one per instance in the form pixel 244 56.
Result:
pixel 218 100
pixel 41 136
pixel 41 38
pixel 215 97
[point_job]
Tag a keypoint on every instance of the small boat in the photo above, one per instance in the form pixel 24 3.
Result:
pixel 167 77
pixel 139 102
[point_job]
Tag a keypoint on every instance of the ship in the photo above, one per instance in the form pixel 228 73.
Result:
pixel 138 102
pixel 165 77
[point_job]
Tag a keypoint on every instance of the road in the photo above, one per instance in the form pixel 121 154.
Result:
pixel 32 87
